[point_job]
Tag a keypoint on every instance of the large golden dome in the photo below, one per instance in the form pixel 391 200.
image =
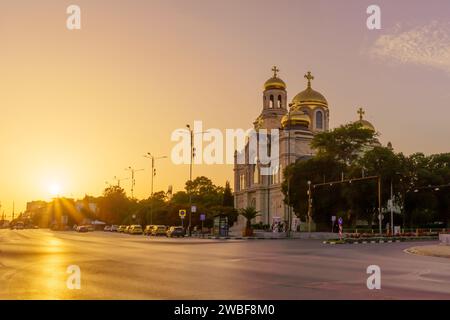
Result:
pixel 275 82
pixel 310 96
pixel 297 118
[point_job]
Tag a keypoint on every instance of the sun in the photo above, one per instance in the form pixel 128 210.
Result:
pixel 54 189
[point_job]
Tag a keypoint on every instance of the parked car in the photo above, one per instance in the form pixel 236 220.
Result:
pixel 159 231
pixel 121 228
pixel 127 229
pixel 175 232
pixel 90 227
pixel 82 229
pixel 107 228
pixel 114 228
pixel 148 229
pixel 135 229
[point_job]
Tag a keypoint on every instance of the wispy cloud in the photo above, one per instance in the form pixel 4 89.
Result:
pixel 427 45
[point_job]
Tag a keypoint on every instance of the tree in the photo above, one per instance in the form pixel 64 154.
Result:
pixel 228 198
pixel 249 214
pixel 344 143
pixel 114 206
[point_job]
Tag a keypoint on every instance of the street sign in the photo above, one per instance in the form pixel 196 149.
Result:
pixel 333 218
pixel 202 217
pixel 380 217
pixel 340 221
pixel 193 209
pixel 182 213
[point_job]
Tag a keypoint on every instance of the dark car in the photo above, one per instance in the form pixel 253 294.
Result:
pixel 82 229
pixel 175 232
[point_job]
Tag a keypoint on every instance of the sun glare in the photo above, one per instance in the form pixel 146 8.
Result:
pixel 55 189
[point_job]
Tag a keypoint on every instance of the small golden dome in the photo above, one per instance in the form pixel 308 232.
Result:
pixel 366 125
pixel 310 96
pixel 297 118
pixel 274 83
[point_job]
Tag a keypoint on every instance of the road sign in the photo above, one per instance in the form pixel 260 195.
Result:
pixel 380 217
pixel 193 209
pixel 340 221
pixel 182 213
pixel 202 217
pixel 333 218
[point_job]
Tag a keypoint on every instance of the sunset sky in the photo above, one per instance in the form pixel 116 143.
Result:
pixel 78 107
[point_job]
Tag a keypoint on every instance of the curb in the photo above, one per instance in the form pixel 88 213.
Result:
pixel 377 241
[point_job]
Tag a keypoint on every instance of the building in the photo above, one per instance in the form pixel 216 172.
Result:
pixel 298 122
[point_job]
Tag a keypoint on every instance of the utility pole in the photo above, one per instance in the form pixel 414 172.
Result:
pixel 379 205
pixel 309 206
pixel 153 158
pixel 119 180
pixel 289 177
pixel 133 180
pixel 192 155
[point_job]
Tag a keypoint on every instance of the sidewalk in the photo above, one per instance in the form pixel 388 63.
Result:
pixel 439 250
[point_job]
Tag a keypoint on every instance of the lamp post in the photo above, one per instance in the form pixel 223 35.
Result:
pixel 153 158
pixel 192 154
pixel 309 206
pixel 133 180
pixel 289 176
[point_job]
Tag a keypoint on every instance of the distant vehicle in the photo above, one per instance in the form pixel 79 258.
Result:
pixel 159 231
pixel 17 226
pixel 127 229
pixel 114 228
pixel 121 228
pixel 135 229
pixel 90 227
pixel 107 228
pixel 82 229
pixel 148 229
pixel 175 232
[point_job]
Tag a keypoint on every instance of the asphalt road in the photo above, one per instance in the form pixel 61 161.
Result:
pixel 33 265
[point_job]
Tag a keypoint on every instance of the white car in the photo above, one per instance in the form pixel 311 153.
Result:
pixel 107 228
pixel 114 228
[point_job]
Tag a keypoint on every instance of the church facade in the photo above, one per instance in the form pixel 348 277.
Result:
pixel 297 122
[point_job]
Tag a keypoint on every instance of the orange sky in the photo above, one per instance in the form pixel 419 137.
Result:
pixel 78 107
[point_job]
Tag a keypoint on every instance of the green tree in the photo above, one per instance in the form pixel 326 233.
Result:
pixel 344 143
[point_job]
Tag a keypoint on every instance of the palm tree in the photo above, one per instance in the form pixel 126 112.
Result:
pixel 249 213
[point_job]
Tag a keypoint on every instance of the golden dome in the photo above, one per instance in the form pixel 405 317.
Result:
pixel 275 82
pixel 364 123
pixel 310 96
pixel 297 118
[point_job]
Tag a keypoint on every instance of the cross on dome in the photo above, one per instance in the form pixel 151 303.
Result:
pixel 275 71
pixel 309 77
pixel 361 113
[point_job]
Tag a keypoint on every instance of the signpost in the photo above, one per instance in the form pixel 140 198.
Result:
pixel 333 220
pixel 202 219
pixel 182 214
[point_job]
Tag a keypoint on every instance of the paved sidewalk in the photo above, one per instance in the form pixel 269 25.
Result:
pixel 438 250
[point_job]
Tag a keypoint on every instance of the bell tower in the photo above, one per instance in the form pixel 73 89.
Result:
pixel 274 102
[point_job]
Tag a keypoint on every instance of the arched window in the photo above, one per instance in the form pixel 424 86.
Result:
pixel 271 103
pixel 279 102
pixel 319 120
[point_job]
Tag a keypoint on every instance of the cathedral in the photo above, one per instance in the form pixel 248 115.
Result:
pixel 297 122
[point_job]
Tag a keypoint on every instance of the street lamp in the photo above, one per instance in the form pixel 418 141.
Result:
pixel 153 158
pixel 133 180
pixel 309 206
